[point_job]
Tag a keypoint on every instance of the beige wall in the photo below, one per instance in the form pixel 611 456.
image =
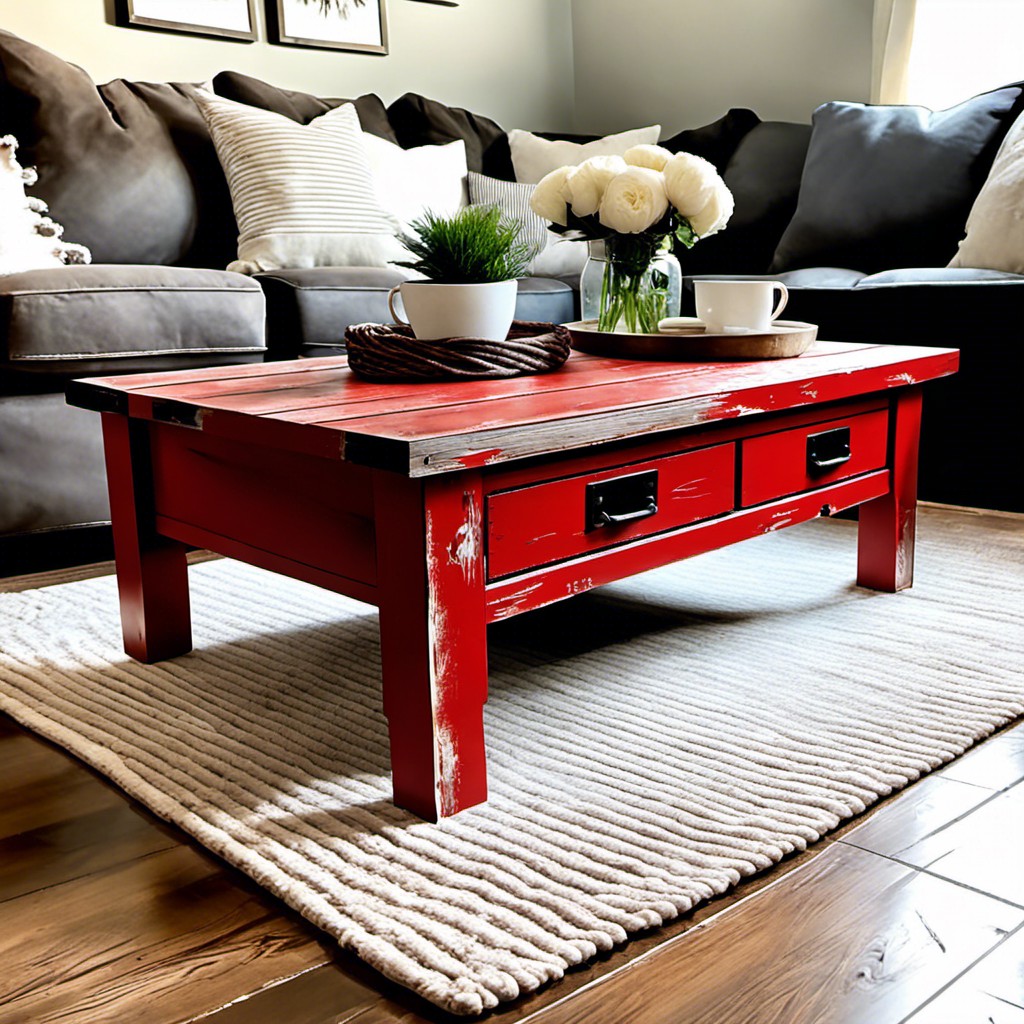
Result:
pixel 683 63
pixel 511 59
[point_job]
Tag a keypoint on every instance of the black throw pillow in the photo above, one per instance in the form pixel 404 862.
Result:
pixel 301 106
pixel 717 141
pixel 419 121
pixel 891 186
pixel 764 178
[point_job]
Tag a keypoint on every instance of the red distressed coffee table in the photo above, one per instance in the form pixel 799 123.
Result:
pixel 453 505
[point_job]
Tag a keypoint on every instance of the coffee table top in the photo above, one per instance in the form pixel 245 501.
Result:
pixel 318 406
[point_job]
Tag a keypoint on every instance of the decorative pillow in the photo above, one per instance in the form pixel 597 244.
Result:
pixel 995 228
pixel 28 239
pixel 410 182
pixel 533 157
pixel 300 106
pixel 887 187
pixel 419 121
pixel 556 256
pixel 303 194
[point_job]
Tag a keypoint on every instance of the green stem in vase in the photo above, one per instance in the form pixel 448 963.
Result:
pixel 632 293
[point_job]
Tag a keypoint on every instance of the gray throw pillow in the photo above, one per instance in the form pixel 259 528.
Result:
pixel 891 186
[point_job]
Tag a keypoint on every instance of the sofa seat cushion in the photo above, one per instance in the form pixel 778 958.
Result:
pixel 113 318
pixel 308 309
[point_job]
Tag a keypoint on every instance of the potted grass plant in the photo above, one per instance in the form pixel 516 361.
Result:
pixel 471 262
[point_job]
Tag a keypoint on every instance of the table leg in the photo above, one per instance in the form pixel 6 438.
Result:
pixel 152 574
pixel 885 542
pixel 430 584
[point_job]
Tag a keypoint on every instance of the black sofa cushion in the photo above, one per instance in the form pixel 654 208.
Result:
pixel 763 175
pixel 419 121
pixel 308 309
pixel 716 141
pixel 114 318
pixel 301 106
pixel 128 168
pixel 891 186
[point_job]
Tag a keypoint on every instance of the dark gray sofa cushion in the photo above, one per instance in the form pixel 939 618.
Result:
pixel 891 186
pixel 114 318
pixel 301 106
pixel 128 168
pixel 308 309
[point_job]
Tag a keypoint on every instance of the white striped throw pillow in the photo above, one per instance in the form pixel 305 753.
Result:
pixel 557 256
pixel 303 194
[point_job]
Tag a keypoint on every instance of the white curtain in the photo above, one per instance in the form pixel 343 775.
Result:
pixel 893 32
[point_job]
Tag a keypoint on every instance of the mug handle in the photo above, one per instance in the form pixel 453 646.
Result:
pixel 391 307
pixel 782 301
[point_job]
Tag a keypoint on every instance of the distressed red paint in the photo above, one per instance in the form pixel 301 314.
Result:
pixel 413 497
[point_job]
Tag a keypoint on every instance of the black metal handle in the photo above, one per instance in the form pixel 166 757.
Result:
pixel 828 449
pixel 623 499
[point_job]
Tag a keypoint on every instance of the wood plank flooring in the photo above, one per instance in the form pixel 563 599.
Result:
pixel 913 913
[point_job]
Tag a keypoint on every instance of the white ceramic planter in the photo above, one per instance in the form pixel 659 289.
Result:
pixel 456 310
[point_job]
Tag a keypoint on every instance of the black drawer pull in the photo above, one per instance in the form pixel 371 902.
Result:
pixel 828 449
pixel 622 500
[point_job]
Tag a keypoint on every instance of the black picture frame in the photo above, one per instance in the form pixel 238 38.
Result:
pixel 281 29
pixel 142 14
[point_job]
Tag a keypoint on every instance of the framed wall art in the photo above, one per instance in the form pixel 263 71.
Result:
pixel 231 19
pixel 359 25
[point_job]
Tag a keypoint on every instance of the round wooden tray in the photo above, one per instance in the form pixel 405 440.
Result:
pixel 686 339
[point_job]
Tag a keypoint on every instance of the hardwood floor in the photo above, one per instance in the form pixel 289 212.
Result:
pixel 914 912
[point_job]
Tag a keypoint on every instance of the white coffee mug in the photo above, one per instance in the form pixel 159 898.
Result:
pixel 738 305
pixel 436 311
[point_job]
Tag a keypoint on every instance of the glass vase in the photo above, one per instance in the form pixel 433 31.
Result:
pixel 627 290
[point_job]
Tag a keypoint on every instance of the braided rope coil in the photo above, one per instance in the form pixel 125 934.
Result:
pixel 391 352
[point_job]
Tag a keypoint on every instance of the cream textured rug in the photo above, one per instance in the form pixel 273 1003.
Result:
pixel 650 744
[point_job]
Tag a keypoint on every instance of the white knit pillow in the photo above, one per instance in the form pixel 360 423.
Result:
pixel 556 257
pixel 303 194
pixel 533 157
pixel 995 225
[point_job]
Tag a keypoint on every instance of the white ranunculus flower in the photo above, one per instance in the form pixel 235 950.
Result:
pixel 587 182
pixel 550 198
pixel 716 213
pixel 654 157
pixel 690 181
pixel 633 201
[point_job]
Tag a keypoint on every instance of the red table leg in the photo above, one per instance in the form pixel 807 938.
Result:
pixel 885 541
pixel 152 574
pixel 430 582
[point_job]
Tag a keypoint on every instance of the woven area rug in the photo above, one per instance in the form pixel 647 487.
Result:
pixel 650 744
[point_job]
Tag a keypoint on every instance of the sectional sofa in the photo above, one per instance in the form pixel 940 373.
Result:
pixel 129 169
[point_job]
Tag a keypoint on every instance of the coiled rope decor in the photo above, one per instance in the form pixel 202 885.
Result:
pixel 391 352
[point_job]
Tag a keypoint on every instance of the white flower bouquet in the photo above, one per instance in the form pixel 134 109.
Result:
pixel 638 204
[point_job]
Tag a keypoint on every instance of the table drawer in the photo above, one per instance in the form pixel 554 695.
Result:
pixel 790 461
pixel 547 522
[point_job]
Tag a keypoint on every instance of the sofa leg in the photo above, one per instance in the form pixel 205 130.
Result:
pixel 152 573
